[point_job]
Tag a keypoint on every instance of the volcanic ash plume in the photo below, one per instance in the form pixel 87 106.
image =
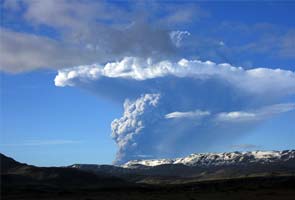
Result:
pixel 175 108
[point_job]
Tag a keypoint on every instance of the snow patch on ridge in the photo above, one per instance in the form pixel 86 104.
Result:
pixel 217 159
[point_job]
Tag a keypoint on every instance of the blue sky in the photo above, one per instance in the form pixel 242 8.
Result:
pixel 46 125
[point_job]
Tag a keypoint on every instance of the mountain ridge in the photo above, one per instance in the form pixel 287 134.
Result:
pixel 200 167
pixel 218 159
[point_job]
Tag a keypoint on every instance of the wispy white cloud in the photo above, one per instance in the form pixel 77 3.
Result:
pixel 255 115
pixel 192 114
pixel 237 116
pixel 177 37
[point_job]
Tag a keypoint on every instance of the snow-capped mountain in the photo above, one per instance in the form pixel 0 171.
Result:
pixel 219 159
pixel 201 166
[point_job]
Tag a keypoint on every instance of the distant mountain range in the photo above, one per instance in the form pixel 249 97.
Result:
pixel 220 159
pixel 195 167
pixel 204 166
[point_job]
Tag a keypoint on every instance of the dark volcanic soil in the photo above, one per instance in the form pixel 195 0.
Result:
pixel 277 188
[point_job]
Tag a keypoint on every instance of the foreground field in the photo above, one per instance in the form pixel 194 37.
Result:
pixel 272 188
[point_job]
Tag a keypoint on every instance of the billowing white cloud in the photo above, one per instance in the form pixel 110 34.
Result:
pixel 136 116
pixel 176 108
pixel 257 80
